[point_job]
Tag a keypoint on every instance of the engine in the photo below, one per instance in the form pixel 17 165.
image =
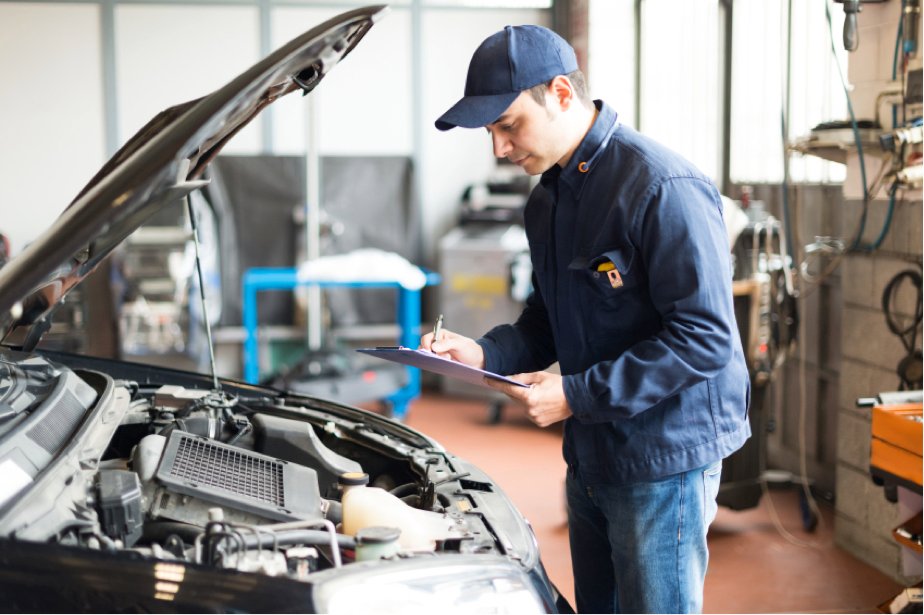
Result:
pixel 255 484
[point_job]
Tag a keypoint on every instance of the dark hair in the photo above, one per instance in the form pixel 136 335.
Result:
pixel 537 92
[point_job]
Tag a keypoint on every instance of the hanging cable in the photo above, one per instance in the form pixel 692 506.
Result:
pixel 856 133
pixel 803 448
pixel 909 368
pixel 822 247
pixel 768 498
pixel 793 294
pixel 898 45
pixel 827 249
pixel 784 128
pixel 895 185
pixel 888 219
pixel 900 155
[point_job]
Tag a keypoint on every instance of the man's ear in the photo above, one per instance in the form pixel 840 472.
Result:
pixel 562 92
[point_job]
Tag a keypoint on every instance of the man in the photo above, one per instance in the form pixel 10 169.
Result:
pixel 632 296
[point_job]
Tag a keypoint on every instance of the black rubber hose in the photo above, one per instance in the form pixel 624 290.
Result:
pixel 159 531
pixel 405 489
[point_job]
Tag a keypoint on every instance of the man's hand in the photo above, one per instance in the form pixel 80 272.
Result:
pixel 545 398
pixel 456 347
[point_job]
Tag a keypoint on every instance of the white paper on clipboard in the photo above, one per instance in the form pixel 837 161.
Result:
pixel 426 360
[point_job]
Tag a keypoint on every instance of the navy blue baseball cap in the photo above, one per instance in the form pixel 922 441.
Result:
pixel 506 63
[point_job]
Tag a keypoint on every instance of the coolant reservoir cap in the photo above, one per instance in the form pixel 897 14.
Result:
pixel 353 479
pixel 377 535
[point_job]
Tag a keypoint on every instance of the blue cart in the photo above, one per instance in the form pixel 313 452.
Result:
pixel 283 278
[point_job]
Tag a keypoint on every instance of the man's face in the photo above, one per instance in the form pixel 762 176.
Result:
pixel 529 134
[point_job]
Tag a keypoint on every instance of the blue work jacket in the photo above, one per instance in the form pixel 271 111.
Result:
pixel 633 297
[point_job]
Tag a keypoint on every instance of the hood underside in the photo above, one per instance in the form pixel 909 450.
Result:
pixel 159 165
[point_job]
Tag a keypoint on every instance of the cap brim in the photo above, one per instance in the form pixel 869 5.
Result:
pixel 476 111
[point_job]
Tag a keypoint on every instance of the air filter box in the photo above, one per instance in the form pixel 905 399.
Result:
pixel 239 479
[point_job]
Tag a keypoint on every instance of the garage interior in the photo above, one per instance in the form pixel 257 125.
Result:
pixel 816 147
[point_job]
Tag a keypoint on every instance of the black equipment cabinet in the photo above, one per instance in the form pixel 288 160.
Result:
pixel 765 312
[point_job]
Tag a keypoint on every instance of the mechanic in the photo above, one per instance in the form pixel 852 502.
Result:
pixel 632 296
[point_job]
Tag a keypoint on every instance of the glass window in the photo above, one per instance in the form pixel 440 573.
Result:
pixel 154 70
pixel 611 55
pixel 489 4
pixel 364 105
pixel 759 33
pixel 758 42
pixel 816 92
pixel 53 125
pixel 680 79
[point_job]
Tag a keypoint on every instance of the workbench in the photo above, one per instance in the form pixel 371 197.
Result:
pixel 286 278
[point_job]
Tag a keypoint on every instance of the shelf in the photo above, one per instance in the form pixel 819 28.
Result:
pixel 836 144
pixel 908 534
pixel 906 601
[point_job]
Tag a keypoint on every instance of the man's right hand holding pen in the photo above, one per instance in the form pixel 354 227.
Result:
pixel 544 399
pixel 454 346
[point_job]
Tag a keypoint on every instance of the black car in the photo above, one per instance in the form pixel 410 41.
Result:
pixel 128 487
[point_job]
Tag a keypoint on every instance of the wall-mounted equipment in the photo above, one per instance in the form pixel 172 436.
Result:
pixel 851 9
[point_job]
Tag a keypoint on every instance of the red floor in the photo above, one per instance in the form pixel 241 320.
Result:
pixel 753 567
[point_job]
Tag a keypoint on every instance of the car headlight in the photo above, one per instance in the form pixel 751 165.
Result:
pixel 428 586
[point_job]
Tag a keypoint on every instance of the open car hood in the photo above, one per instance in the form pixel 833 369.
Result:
pixel 159 165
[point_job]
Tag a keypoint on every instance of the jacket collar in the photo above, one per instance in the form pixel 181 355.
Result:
pixel 582 162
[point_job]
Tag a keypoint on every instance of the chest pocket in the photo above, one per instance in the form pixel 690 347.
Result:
pixel 612 301
pixel 607 274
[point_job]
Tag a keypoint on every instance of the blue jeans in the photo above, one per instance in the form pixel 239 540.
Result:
pixel 641 547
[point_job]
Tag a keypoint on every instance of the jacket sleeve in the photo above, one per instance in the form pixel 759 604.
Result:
pixel 681 238
pixel 522 347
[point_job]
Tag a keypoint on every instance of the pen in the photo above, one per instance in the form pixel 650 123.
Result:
pixel 437 328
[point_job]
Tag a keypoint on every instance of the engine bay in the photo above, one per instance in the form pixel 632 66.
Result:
pixel 237 479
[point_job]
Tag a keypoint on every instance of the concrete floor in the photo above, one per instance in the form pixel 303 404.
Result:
pixel 753 567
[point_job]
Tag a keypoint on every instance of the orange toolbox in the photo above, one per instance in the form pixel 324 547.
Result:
pixel 897 436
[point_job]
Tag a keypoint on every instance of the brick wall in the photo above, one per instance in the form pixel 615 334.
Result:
pixel 869 351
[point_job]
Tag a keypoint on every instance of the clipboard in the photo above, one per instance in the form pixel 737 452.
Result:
pixel 426 360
